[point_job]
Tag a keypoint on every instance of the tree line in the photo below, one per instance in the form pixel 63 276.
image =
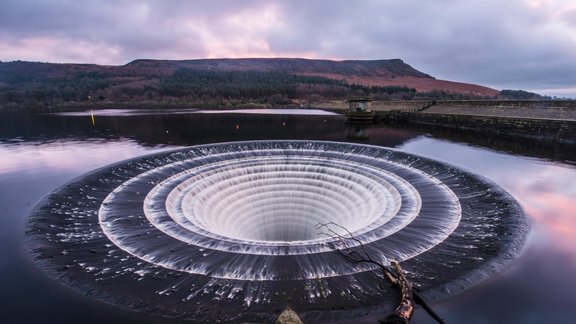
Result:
pixel 24 84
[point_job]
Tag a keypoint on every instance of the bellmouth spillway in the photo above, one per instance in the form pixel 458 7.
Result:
pixel 230 231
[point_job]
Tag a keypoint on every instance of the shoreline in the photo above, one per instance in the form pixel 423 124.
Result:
pixel 542 120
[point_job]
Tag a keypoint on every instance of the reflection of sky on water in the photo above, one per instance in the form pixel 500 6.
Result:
pixel 140 112
pixel 63 155
pixel 126 112
pixel 547 191
pixel 535 288
pixel 276 111
pixel 538 287
pixel 28 171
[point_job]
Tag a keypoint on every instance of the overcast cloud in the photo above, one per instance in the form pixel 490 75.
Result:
pixel 512 44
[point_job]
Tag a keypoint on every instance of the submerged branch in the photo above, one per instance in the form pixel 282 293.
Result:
pixel 394 274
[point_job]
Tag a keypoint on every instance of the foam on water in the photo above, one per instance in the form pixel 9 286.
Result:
pixel 237 223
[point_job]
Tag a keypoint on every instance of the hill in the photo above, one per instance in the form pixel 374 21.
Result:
pixel 230 82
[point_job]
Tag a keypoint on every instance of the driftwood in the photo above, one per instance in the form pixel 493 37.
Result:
pixel 394 274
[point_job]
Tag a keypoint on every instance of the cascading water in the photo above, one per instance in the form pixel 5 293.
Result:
pixel 228 231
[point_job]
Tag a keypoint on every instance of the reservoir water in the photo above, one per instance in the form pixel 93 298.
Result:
pixel 41 152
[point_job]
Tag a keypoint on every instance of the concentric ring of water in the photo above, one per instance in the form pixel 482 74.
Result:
pixel 234 215
pixel 279 190
pixel 262 202
pixel 246 200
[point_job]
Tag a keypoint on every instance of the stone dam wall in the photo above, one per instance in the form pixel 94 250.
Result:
pixel 538 120
pixel 563 131
pixel 552 109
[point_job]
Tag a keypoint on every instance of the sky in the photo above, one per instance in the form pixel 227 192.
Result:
pixel 504 44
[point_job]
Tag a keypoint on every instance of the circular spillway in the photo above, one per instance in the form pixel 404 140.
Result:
pixel 250 227
pixel 278 199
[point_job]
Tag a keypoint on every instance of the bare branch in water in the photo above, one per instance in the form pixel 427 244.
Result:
pixel 394 274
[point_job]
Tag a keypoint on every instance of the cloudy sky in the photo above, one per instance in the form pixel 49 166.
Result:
pixel 505 44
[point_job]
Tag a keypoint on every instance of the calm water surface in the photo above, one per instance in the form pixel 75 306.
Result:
pixel 40 152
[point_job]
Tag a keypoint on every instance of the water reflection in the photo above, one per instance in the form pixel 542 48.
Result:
pixel 549 197
pixel 41 152
pixel 538 287
pixel 357 132
pixel 168 129
pixel 56 156
pixel 547 191
pixel 552 151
